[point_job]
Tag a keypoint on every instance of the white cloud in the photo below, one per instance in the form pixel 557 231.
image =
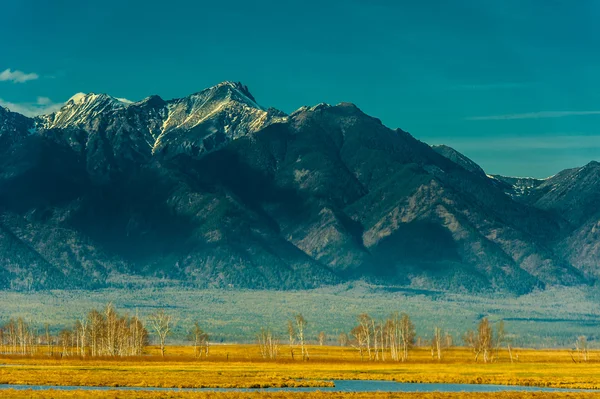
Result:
pixel 44 101
pixel 532 115
pixel 43 105
pixel 16 76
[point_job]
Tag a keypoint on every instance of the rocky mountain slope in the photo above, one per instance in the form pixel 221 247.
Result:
pixel 572 195
pixel 215 190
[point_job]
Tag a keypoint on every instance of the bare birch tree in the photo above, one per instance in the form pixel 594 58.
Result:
pixel 364 323
pixel 268 345
pixel 481 342
pixel 407 335
pixel 581 347
pixel 301 327
pixel 359 341
pixel 321 338
pixel 161 323
pixel 437 344
pixel 199 339
pixel 49 340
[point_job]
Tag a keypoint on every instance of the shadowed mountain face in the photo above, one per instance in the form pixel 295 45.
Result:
pixel 572 195
pixel 214 190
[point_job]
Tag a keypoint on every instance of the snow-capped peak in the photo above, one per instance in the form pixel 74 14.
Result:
pixel 124 100
pixel 82 108
pixel 196 124
pixel 80 98
pixel 76 98
pixel 227 107
pixel 225 92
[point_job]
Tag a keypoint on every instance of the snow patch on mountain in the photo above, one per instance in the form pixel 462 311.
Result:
pixel 77 97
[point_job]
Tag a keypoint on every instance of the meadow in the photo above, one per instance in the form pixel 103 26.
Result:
pixel 287 395
pixel 543 320
pixel 241 366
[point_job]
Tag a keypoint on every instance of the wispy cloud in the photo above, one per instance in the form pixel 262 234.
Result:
pixel 42 105
pixel 16 76
pixel 532 115
pixel 560 141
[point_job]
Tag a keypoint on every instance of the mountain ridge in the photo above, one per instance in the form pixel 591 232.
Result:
pixel 215 190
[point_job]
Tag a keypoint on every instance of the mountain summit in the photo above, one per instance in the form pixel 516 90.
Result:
pixel 215 190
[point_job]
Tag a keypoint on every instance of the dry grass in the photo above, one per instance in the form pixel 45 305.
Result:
pixel 241 366
pixel 12 394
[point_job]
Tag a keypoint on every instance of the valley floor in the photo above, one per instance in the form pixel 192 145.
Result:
pixel 546 319
pixel 288 395
pixel 241 366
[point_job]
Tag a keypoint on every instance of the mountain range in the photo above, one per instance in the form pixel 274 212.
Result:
pixel 214 190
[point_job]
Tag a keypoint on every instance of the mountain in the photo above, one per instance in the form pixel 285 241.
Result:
pixel 458 158
pixel 518 187
pixel 215 190
pixel 572 195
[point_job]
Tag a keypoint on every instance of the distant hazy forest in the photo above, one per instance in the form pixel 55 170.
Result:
pixel 556 317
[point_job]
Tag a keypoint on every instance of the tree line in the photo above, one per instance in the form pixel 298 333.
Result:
pixel 102 332
pixel 391 338
pixel 108 333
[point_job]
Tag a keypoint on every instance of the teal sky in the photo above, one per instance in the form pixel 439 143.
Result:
pixel 513 84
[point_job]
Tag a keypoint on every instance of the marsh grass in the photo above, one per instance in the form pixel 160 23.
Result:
pixel 13 394
pixel 240 366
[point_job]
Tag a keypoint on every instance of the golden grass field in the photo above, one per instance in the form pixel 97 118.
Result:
pixel 287 395
pixel 241 366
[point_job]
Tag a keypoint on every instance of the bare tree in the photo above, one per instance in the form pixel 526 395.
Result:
pixel 364 323
pixel 96 326
pixel 268 345
pixel 581 347
pixel 291 329
pixel 22 335
pixel 161 323
pixel 407 335
pixel 321 338
pixel 392 327
pixel 436 344
pixel 359 341
pixel 138 336
pixel 98 334
pixel 375 333
pixel 11 336
pixel 64 340
pixel 395 334
pixel 199 339
pixel 49 340
pixel 109 341
pixel 301 327
pixel 481 342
